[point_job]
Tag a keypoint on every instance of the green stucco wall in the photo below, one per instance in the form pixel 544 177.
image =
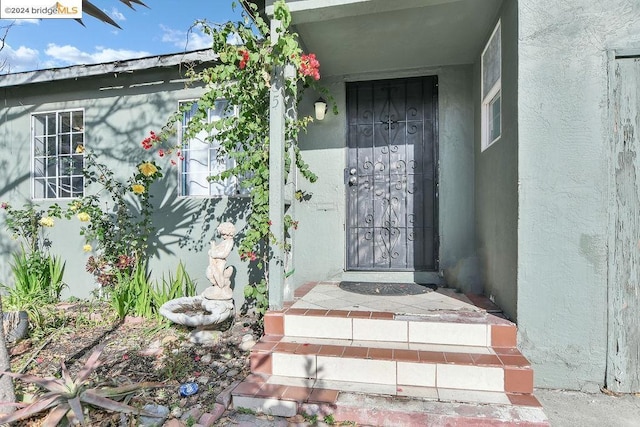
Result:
pixel 116 120
pixel 496 177
pixel 564 134
pixel 320 241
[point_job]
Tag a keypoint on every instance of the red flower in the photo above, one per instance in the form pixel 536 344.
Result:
pixel 310 66
pixel 196 358
pixel 125 357
pixel 147 143
pixel 270 223
pixel 244 60
pixel 173 162
pixel 161 153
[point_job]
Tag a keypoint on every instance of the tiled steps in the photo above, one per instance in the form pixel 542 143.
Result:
pixel 280 397
pixel 369 362
pixel 460 365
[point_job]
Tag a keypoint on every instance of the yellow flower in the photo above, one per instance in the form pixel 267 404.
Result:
pixel 80 149
pixel 74 206
pixel 137 188
pixel 46 221
pixel 84 217
pixel 147 169
pixel 87 248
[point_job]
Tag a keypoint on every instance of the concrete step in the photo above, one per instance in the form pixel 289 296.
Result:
pixel 443 327
pixel 377 406
pixel 437 367
pixel 396 365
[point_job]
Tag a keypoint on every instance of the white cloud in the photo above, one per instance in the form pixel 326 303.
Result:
pixel 27 21
pixel 192 40
pixel 71 55
pixel 21 59
pixel 117 15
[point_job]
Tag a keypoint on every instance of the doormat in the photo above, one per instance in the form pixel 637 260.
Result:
pixel 387 289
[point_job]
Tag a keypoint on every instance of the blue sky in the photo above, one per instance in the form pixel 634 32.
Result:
pixel 160 29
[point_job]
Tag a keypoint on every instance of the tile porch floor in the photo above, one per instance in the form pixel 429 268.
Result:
pixel 328 296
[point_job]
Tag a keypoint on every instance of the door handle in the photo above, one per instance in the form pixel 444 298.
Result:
pixel 353 180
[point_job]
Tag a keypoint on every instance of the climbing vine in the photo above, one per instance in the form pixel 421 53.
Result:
pixel 243 77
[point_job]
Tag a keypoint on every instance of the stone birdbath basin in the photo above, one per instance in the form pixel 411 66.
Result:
pixel 200 313
pixel 215 305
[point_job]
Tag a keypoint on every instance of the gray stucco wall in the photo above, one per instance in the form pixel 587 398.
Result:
pixel 320 241
pixel 496 177
pixel 116 121
pixel 562 267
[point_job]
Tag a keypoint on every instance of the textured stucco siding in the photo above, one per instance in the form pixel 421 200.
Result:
pixel 562 232
pixel 496 178
pixel 116 120
pixel 320 240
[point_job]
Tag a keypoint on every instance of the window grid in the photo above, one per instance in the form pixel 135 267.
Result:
pixel 491 77
pixel 58 159
pixel 200 159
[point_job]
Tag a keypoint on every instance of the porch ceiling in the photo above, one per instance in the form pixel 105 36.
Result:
pixel 363 36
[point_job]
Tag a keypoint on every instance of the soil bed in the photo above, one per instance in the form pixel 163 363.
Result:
pixel 136 350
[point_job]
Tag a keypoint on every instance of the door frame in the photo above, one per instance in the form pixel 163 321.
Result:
pixel 621 373
pixel 436 175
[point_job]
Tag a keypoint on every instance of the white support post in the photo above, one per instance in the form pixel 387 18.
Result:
pixel 276 181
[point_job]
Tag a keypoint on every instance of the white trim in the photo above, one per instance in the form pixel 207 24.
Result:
pixel 181 172
pixel 32 177
pixel 496 90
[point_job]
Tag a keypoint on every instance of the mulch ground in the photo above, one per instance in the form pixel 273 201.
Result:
pixel 135 350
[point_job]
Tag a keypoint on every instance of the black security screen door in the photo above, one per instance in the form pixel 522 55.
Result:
pixel 391 175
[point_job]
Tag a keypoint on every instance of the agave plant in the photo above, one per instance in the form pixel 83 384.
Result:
pixel 66 395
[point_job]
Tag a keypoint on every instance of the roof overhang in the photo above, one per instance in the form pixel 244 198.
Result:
pixel 364 36
pixel 127 66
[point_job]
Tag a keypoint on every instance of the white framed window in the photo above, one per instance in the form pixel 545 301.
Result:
pixel 201 158
pixel 491 69
pixel 57 144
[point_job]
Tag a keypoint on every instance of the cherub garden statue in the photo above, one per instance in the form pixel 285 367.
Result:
pixel 217 273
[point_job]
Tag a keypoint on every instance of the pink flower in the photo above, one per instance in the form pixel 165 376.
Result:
pixel 310 66
pixel 125 357
pixel 4 205
pixel 197 358
pixel 161 153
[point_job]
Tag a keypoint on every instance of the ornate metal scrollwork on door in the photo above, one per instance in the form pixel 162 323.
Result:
pixel 390 232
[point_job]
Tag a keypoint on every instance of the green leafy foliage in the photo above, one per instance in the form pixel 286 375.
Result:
pixel 244 77
pixel 135 294
pixel 117 232
pixel 173 287
pixel 38 276
pixel 258 294
pixel 66 395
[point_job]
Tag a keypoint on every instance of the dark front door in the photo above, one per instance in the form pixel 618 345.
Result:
pixel 391 175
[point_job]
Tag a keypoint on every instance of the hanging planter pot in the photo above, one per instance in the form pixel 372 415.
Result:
pixel 16 325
